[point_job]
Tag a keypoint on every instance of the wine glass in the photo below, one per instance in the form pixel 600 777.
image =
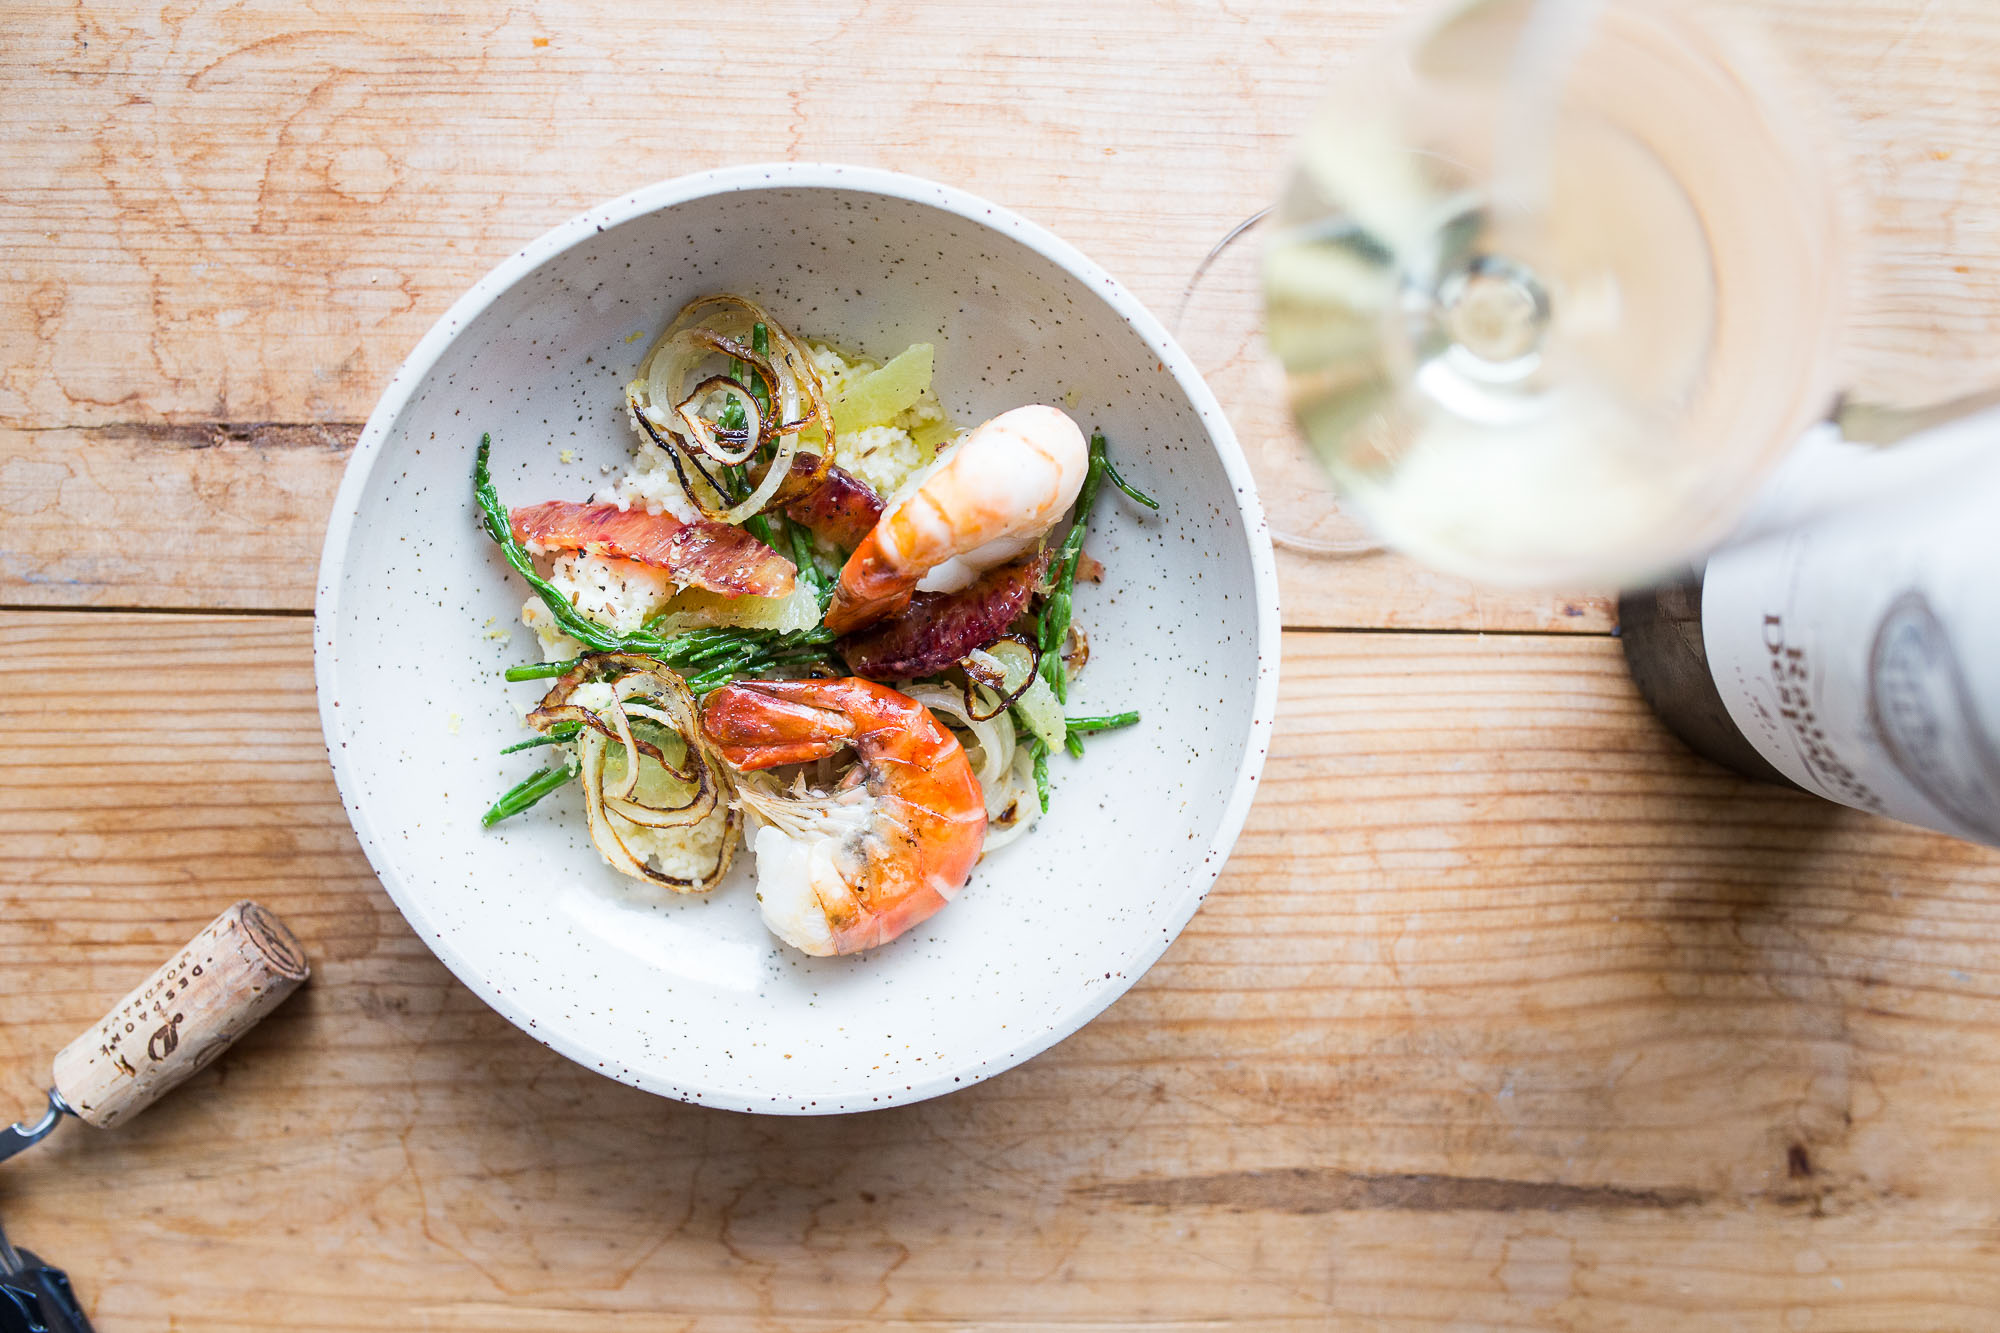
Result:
pixel 1219 323
pixel 1555 284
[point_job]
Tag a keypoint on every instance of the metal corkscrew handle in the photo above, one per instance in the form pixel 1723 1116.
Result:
pixel 20 1134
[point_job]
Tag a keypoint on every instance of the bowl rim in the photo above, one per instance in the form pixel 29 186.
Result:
pixel 1149 945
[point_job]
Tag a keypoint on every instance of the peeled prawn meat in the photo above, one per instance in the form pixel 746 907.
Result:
pixel 984 502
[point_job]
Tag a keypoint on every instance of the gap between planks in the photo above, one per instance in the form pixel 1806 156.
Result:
pixel 231 612
pixel 230 516
pixel 306 613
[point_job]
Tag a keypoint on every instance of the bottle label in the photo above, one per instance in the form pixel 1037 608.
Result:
pixel 1860 652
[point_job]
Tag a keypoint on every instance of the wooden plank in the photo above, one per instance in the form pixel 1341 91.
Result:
pixel 230 517
pixel 233 216
pixel 1506 1014
pixel 218 517
pixel 237 215
pixel 251 213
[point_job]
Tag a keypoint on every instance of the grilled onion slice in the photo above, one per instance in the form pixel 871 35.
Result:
pixel 662 404
pixel 645 690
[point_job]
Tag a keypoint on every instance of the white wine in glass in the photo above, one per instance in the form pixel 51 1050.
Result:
pixel 1555 284
pixel 1220 323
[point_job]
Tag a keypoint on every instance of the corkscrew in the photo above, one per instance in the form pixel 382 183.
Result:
pixel 237 969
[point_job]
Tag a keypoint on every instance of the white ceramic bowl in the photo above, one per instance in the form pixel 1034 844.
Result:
pixel 691 998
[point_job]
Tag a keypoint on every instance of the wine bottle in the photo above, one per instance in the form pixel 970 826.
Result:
pixel 1849 644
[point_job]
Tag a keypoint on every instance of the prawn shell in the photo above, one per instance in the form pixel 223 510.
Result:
pixel 931 815
pixel 754 729
pixel 702 554
pixel 939 628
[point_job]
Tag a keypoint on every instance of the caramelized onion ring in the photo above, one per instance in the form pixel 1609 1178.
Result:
pixel 978 674
pixel 709 436
pixel 721 325
pixel 645 689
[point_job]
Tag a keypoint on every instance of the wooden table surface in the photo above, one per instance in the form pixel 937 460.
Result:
pixel 1507 1012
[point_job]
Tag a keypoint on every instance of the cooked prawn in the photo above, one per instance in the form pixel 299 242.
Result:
pixel 846 870
pixel 985 501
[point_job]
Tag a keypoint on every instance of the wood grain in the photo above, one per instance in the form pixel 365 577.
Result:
pixel 230 216
pixel 216 517
pixel 230 517
pixel 250 214
pixel 1507 1014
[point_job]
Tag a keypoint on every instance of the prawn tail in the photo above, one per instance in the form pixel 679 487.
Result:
pixel 869 590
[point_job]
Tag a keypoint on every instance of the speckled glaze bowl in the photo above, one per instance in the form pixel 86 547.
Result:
pixel 691 998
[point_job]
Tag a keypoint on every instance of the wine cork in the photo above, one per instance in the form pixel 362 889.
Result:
pixel 240 967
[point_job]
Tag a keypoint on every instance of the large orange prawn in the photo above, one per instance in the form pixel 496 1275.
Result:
pixel 846 870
